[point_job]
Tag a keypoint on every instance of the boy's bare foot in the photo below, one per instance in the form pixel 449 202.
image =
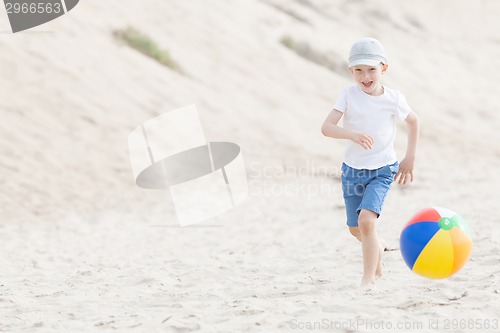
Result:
pixel 367 285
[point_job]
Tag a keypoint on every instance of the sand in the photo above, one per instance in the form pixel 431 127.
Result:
pixel 83 249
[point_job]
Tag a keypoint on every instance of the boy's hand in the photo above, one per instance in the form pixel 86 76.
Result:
pixel 405 172
pixel 362 139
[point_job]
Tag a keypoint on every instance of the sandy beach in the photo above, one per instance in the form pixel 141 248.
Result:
pixel 84 249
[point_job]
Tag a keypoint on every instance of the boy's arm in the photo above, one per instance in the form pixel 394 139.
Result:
pixel 405 172
pixel 332 130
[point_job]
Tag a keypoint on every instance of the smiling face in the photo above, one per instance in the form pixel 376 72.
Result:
pixel 368 78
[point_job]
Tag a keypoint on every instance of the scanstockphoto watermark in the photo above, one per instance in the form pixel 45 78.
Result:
pixel 26 14
pixel 355 325
pixel 306 179
pixel 309 179
pixel 438 324
pixel 300 169
pixel 306 189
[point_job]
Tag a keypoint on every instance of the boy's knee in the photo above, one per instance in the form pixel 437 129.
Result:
pixel 366 220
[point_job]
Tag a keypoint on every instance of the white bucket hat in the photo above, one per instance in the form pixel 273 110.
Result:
pixel 367 51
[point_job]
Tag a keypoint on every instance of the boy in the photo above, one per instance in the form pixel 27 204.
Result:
pixel 370 166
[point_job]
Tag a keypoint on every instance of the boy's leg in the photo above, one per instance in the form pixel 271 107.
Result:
pixel 356 233
pixel 370 245
pixel 370 208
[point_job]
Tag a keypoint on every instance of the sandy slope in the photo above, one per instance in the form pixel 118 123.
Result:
pixel 83 249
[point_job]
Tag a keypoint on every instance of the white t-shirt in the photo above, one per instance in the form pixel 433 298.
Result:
pixel 376 116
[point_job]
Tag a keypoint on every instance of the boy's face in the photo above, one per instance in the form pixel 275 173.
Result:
pixel 368 77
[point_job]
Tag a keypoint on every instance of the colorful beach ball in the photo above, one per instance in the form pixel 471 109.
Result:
pixel 436 243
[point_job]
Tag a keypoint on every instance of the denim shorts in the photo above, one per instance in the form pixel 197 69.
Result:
pixel 365 189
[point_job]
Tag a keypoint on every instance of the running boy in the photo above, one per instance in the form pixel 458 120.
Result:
pixel 370 166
